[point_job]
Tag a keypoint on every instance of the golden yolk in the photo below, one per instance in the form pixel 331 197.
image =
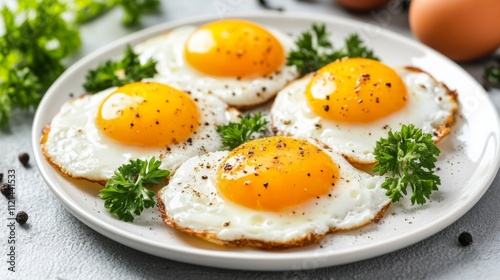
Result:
pixel 276 173
pixel 234 48
pixel 356 90
pixel 148 114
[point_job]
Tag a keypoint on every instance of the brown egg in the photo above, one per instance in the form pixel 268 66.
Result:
pixel 460 29
pixel 362 5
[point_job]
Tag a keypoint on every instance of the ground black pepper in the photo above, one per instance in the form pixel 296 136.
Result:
pixel 465 238
pixel 6 190
pixel 24 158
pixel 21 217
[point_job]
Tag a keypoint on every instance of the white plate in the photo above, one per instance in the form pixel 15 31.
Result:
pixel 469 161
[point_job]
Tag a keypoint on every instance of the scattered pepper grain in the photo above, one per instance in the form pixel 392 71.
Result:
pixel 21 217
pixel 24 158
pixel 465 238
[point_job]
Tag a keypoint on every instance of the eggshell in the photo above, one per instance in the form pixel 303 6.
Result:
pixel 460 29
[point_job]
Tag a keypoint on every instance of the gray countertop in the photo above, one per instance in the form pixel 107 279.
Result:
pixel 56 245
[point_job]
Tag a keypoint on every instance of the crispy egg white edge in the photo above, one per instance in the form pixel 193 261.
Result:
pixel 168 50
pixel 75 145
pixel 192 203
pixel 290 115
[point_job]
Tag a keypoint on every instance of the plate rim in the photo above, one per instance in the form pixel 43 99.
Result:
pixel 232 259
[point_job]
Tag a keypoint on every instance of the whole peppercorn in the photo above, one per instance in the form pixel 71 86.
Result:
pixel 465 238
pixel 6 190
pixel 24 158
pixel 21 217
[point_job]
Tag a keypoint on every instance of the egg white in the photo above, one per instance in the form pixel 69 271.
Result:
pixel 168 50
pixel 430 106
pixel 75 144
pixel 192 204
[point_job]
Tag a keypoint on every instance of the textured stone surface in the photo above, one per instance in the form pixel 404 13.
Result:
pixel 55 245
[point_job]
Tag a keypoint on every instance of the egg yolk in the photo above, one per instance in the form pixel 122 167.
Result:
pixel 356 90
pixel 276 173
pixel 148 114
pixel 234 48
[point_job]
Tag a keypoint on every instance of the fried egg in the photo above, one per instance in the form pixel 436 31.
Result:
pixel 91 136
pixel 239 61
pixel 275 192
pixel 350 104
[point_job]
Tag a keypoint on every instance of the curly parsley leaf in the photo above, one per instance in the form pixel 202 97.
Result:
pixel 314 50
pixel 35 42
pixel 87 10
pixel 118 73
pixel 126 193
pixel 408 158
pixel 236 133
pixel 354 47
pixel 491 75
pixel 21 88
pixel 134 9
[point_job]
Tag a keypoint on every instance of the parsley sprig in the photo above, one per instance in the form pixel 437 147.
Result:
pixel 126 193
pixel 408 157
pixel 236 133
pixel 34 43
pixel 314 49
pixel 87 10
pixel 118 73
pixel 491 75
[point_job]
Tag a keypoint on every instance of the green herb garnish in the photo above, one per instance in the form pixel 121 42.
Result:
pixel 119 73
pixel 133 9
pixel 31 52
pixel 407 157
pixel 126 193
pixel 315 50
pixel 491 73
pixel 236 133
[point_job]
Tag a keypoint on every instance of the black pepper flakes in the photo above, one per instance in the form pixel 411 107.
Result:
pixel 326 108
pixel 6 190
pixel 21 217
pixel 388 84
pixel 266 184
pixel 465 238
pixel 204 177
pixel 24 158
